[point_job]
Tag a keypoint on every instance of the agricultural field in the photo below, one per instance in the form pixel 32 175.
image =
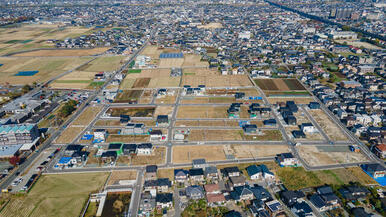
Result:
pixel 165 99
pixel 56 195
pixel 279 84
pixel 193 60
pixel 74 80
pixel 329 127
pixel 254 151
pixel 215 135
pixel 47 68
pixel 200 71
pixel 201 100
pixel 297 100
pixel 132 111
pixel 117 176
pixel 87 116
pixel 152 51
pixel 267 135
pixel 104 64
pixel 158 157
pixel 171 62
pixel 315 156
pixel 202 112
pixel 216 80
pixel 187 153
pixel 62 52
pixel 146 97
pixel 68 135
pixel 297 178
pixel 128 96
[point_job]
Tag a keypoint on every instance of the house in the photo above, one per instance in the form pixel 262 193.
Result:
pixel 254 172
pixel 233 213
pixel 194 192
pixel 290 198
pixel 267 174
pixel 129 149
pixel 360 212
pixel 273 207
pixel 236 181
pixel 196 174
pixel 314 105
pixel 215 199
pixel 211 173
pixel 380 150
pixel 199 163
pixel 302 209
pixel 325 199
pixel 100 134
pixel 212 189
pixel 250 128
pixel 145 149
pixel 231 171
pixel 162 120
pixel 241 193
pixel 290 120
pixel 298 134
pixel 375 170
pixel 354 192
pixel 270 122
pixel 147 203
pixel 109 156
pixel 180 175
pixel 161 185
pixel 124 119
pixel 71 149
pixel 287 159
pixel 156 135
pixel 151 172
pixel 308 128
pixel 319 203
pixel 164 200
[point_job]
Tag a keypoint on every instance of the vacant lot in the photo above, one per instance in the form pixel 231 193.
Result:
pixel 163 110
pixel 202 112
pixel 329 127
pixel 158 157
pixel 117 176
pixel 152 51
pixel 218 123
pixel 56 195
pixel 87 116
pixel 68 135
pixel 185 154
pixel 141 82
pixel 267 135
pixel 104 64
pixel 297 100
pixel 193 60
pixel 215 135
pixel 128 96
pixel 200 71
pixel 127 83
pixel 46 67
pixel 132 111
pixel 216 80
pixel 127 138
pixel 171 62
pixel 254 151
pixel 316 157
pixel 151 73
pixel 165 100
pixel 146 97
pixel 62 52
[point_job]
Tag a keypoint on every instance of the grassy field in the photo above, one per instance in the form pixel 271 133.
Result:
pixel 298 178
pixel 68 135
pixel 87 115
pixel 56 195
pixel 158 157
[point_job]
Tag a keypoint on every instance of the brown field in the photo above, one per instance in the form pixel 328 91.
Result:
pixel 117 176
pixel 215 135
pixel 279 84
pixel 105 64
pixel 166 173
pixel 314 157
pixel 152 51
pixel 127 83
pixel 202 112
pixel 163 110
pixel 200 71
pixel 330 128
pixel 165 100
pixel 102 122
pixel 146 97
pixel 187 153
pixel 78 75
pixel 69 135
pixel 164 82
pixel 193 60
pixel 132 111
pixel 128 96
pixel 231 92
pixel 127 138
pixel 141 83
pixel 216 80
pixel 151 73
pixel 253 151
pixel 171 62
pixel 62 52
pixel 87 116
pixel 297 100
pixel 158 157
pixel 218 123
pixel 47 67
pixel 268 135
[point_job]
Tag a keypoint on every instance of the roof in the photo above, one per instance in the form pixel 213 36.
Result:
pixel 16 128
pixel 253 169
pixel 64 160
pixel 196 172
pixel 381 147
pixel 274 205
pixel 317 201
pixel 213 198
pixel 199 161
pixel 171 55
pixel 151 168
pixel 164 198
pixel 231 170
pixel 9 150
pixel 144 146
pixel 211 187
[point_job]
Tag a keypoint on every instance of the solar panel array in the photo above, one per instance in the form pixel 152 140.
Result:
pixel 171 55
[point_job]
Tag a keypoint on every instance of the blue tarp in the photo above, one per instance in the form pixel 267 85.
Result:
pixel 87 137
pixel 26 73
pixel 64 160
pixel 381 180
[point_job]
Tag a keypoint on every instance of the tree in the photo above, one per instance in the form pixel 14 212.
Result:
pixel 26 88
pixel 14 160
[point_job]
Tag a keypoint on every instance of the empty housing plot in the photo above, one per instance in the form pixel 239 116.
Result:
pixel 152 51
pixel 329 127
pixel 118 176
pixel 146 97
pixel 202 112
pixel 87 116
pixel 253 151
pixel 164 82
pixel 128 96
pixel 200 71
pixel 214 123
pixel 301 118
pixel 127 83
pixel 217 80
pixel 297 100
pixel 187 153
pixel 158 157
pixel 215 135
pixel 163 110
pixel 165 99
pixel 193 60
pixel 132 111
pixel 321 155
pixel 68 135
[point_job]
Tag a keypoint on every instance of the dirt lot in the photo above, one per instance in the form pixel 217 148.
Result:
pixel 331 129
pixel 297 100
pixel 152 51
pixel 217 80
pixel 279 84
pixel 358 43
pixel 171 62
pixel 219 123
pixel 87 115
pixel 117 176
pixel 215 135
pixel 202 112
pixel 141 82
pixel 193 60
pixel 132 111
pixel 267 135
pixel 62 52
pixel 164 82
pixel 200 71
pixel 151 73
pixel 163 110
pixel 165 100
pixel 146 97
pixel 128 96
pixel 253 151
pixel 185 154
pixel 158 157
pixel 69 135
pixel 314 157
pixel 127 138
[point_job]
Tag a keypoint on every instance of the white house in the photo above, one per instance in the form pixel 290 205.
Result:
pixel 308 128
pixel 100 134
pixel 287 159
pixel 145 149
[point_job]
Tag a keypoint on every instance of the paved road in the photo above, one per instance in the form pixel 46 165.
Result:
pixel 326 138
pixel 134 206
